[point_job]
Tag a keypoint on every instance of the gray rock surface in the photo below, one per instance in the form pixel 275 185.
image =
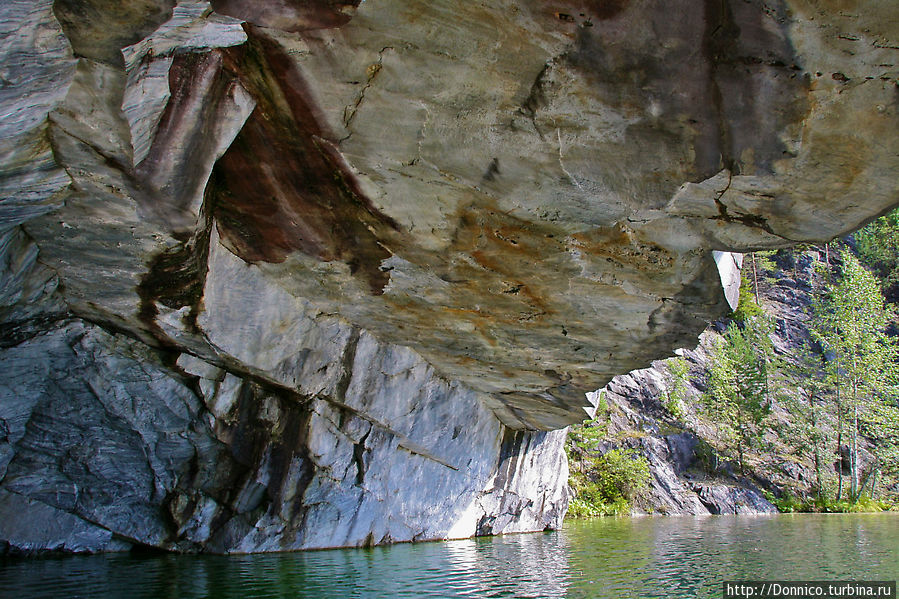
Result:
pixel 105 447
pixel 253 252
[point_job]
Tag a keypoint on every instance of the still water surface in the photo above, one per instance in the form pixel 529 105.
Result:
pixel 620 558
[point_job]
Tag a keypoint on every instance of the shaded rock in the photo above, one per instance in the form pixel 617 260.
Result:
pixel 722 499
pixel 49 529
pixel 682 450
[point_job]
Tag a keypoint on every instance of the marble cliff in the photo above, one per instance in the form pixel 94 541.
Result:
pixel 287 274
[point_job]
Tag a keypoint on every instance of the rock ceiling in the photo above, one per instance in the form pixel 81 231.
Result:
pixel 527 194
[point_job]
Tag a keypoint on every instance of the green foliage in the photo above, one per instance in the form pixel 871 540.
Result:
pixel 850 320
pixel 747 307
pixel 805 395
pixel 878 249
pixel 765 259
pixel 675 391
pixel 622 473
pixel 583 505
pixel 586 436
pixel 602 405
pixel 736 399
pixel 880 424
pixel 607 484
pixel 789 503
pixel 849 323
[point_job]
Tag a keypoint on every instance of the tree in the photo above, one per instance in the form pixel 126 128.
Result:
pixel 675 391
pixel 805 396
pixel 737 395
pixel 880 424
pixel 878 248
pixel 850 323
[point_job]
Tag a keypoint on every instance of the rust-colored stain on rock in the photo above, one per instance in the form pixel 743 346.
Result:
pixel 584 12
pixel 506 246
pixel 282 187
pixel 624 248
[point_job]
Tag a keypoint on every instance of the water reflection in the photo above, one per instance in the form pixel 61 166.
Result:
pixel 691 557
pixel 647 557
pixel 513 566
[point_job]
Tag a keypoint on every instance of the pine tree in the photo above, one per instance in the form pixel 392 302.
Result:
pixel 737 397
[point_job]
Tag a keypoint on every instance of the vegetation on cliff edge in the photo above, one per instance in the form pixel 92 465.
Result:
pixel 825 399
pixel 604 484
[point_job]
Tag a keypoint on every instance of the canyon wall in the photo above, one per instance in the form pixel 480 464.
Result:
pixel 285 274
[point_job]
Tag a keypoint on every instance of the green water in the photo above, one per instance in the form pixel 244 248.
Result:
pixel 633 558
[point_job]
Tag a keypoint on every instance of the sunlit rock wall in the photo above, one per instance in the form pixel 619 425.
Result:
pixel 298 274
pixel 105 446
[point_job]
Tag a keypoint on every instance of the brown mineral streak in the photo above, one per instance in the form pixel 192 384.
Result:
pixel 496 241
pixel 175 277
pixel 623 246
pixel 282 187
pixel 591 9
pixel 195 79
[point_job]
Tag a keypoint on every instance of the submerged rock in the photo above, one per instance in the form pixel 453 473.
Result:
pixel 286 276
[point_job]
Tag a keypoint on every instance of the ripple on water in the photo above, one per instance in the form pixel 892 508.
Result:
pixel 607 558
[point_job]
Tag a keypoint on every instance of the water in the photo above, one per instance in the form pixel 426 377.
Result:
pixel 626 558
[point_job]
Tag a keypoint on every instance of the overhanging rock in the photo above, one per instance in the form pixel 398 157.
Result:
pixel 523 195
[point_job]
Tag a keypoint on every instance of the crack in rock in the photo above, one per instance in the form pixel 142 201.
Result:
pixel 350 111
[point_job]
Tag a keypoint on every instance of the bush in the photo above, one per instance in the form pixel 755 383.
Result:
pixel 622 473
pixel 789 503
pixel 609 484
pixel 587 436
pixel 584 507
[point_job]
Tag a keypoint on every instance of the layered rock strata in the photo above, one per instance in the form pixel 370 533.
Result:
pixel 330 266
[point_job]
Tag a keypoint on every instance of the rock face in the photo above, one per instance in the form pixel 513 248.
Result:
pixel 681 482
pixel 293 274
pixel 105 445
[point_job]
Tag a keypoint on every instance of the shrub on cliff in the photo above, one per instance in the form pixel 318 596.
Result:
pixel 747 306
pixel 674 393
pixel 609 483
